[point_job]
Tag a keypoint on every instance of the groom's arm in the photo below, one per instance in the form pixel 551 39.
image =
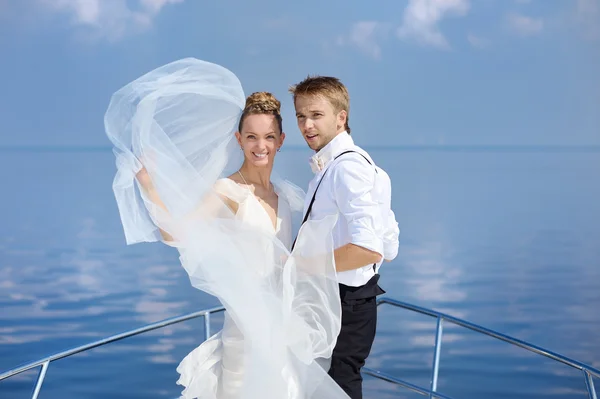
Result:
pixel 351 256
pixel 353 181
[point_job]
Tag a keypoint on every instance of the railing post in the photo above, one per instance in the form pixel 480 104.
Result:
pixel 206 326
pixel 589 382
pixel 44 362
pixel 436 355
pixel 40 380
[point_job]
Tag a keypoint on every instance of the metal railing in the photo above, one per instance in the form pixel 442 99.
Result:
pixel 45 362
pixel 588 371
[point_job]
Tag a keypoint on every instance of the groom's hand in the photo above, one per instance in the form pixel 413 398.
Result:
pixel 315 264
pixel 351 256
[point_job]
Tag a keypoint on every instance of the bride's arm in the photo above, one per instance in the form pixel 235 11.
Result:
pixel 214 205
pixel 150 191
pixel 210 207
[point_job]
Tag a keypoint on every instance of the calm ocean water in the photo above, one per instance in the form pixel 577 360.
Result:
pixel 506 239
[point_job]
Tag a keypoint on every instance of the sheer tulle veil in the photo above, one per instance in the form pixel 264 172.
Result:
pixel 178 121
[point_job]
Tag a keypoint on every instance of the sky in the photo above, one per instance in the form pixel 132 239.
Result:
pixel 419 72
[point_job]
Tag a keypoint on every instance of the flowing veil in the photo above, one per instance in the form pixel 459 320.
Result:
pixel 178 121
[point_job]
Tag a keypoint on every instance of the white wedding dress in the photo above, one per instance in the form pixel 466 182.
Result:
pixel 220 359
pixel 283 311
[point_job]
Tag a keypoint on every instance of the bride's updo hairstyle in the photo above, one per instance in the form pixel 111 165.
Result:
pixel 262 103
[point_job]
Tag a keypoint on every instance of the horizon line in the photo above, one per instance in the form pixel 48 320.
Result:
pixel 395 147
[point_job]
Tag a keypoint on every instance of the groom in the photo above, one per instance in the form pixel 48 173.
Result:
pixel 347 182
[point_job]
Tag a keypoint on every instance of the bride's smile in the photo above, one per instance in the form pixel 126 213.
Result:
pixel 259 139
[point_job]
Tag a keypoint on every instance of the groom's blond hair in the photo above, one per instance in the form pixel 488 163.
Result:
pixel 330 88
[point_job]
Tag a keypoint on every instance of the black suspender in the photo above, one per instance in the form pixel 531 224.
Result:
pixel 316 188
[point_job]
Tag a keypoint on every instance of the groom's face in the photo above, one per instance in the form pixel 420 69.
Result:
pixel 317 120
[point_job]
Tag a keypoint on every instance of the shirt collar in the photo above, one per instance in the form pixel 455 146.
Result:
pixel 321 159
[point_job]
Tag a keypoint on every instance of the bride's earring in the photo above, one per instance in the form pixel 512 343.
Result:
pixel 279 149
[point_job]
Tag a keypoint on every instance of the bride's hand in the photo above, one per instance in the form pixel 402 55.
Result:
pixel 144 179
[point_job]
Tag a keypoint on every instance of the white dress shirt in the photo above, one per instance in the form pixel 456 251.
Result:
pixel 360 193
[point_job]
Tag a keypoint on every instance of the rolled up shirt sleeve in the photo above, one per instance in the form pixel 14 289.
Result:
pixel 353 180
pixel 390 237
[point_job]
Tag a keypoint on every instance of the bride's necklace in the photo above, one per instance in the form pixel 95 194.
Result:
pixel 245 182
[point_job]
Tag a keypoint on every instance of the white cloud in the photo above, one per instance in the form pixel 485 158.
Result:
pixel 587 13
pixel 365 35
pixel 110 19
pixel 524 25
pixel 478 41
pixel 154 6
pixel 422 17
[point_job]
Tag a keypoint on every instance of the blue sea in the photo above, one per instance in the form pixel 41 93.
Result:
pixel 508 238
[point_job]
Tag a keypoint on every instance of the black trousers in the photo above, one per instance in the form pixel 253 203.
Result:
pixel 359 324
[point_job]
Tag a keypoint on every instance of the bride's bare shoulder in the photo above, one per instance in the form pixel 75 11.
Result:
pixel 235 177
pixel 223 188
pixel 227 181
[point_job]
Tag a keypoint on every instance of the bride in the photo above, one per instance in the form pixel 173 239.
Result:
pixel 180 133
